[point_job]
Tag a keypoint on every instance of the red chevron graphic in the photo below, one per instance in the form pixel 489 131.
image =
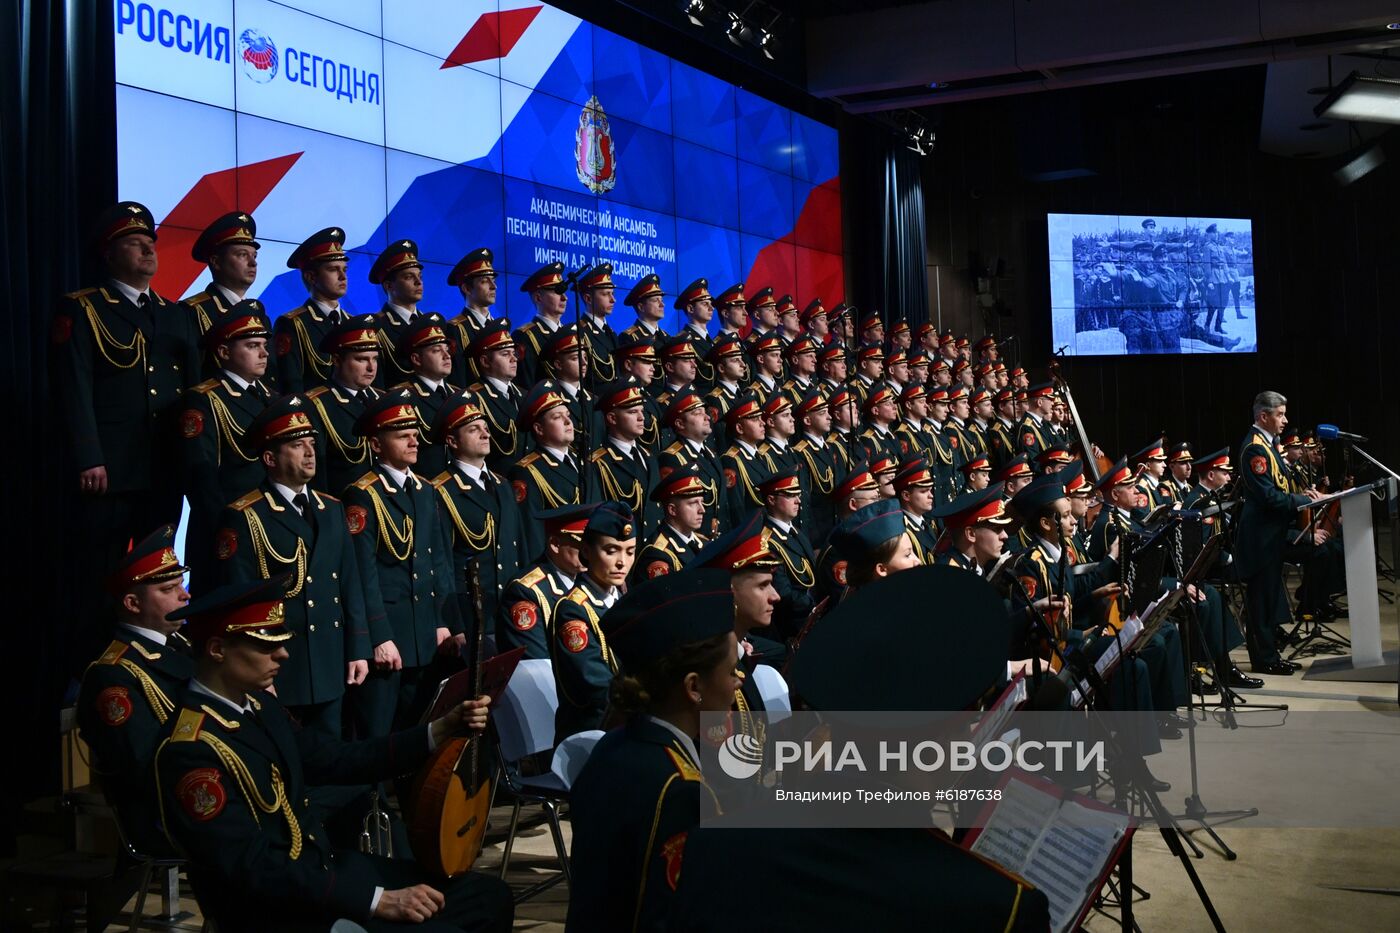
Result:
pixel 241 188
pixel 814 269
pixel 493 35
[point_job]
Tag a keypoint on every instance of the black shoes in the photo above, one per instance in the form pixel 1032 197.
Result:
pixel 1238 678
pixel 1280 667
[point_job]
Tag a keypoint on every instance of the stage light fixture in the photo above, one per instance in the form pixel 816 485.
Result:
pixel 1357 168
pixel 694 9
pixel 736 29
pixel 765 43
pixel 1362 99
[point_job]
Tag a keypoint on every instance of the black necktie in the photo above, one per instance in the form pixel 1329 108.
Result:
pixel 304 504
pixel 260 392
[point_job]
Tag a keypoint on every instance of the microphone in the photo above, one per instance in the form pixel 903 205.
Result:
pixel 1011 339
pixel 1330 432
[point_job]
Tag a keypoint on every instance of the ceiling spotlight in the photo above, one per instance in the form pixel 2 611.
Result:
pixel 1392 26
pixel 765 43
pixel 736 29
pixel 1362 99
pixel 693 10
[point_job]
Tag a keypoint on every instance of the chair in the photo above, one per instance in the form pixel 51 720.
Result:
pixel 777 699
pixel 524 723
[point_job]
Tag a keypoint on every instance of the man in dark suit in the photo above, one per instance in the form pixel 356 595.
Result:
pixel 229 247
pixel 297 334
pixel 129 692
pixel 220 464
pixel 403 561
pixel 233 776
pixel 1270 510
pixel 123 357
pixel 286 527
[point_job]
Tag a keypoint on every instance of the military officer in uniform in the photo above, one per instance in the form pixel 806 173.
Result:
pixel 802 367
pixel 399 272
pixel 642 790
pixel 688 420
pixel 297 334
pixel 779 426
pixel 619 470
pixel 913 487
pixel 221 463
pixel 975 524
pixel 677 539
pixel 598 293
pixel 679 366
pixel 1003 436
pixel 475 278
pixel 744 467
pixel 977 474
pixel 1269 513
pixel 478 516
pixel 1152 461
pixel 404 565
pixel 233 774
pixel 123 357
pixel 353 350
pixel 733 310
pixel 584 664
pixel 763 311
pixel 550 476
pixel 832 363
pixel 497 393
pixel 1177 485
pixel 767 352
pixel 818 461
pixel 729 358
pixel 130 692
pixel 229 248
pixel 795 578
pixel 428 348
pixel 636 357
pixel 814 322
pixel 695 303
pixel 870 369
pixel 881 413
pixel 649 302
pixel 1013 474
pixel 550 295
pixel 565 362
pixel 286 527
pixel 525 618
pixel 1031 433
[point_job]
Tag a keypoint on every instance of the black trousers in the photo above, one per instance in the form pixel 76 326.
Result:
pixel 1268 608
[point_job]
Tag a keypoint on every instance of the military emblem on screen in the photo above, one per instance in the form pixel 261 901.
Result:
pixel 257 55
pixel 594 157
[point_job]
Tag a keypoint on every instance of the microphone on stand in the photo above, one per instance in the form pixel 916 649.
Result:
pixel 1330 432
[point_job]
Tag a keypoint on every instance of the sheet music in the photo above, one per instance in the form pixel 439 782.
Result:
pixel 1059 846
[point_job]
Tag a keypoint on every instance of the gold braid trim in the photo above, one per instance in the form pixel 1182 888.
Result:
pixel 235 766
pixel 389 533
pixel 596 626
pixel 508 431
pixel 552 499
pixel 612 489
pixel 160 704
pixel 320 365
pixel 478 541
pixel 345 448
pixel 803 575
pixel 104 339
pixel 262 546
pixel 229 429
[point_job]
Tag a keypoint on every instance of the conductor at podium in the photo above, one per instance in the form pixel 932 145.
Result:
pixel 1270 511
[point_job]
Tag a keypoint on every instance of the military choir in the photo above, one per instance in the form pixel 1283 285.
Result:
pixel 654 514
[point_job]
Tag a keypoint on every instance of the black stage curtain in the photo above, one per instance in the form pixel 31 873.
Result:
pixel 57 131
pixel 904 249
pixel 883 206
